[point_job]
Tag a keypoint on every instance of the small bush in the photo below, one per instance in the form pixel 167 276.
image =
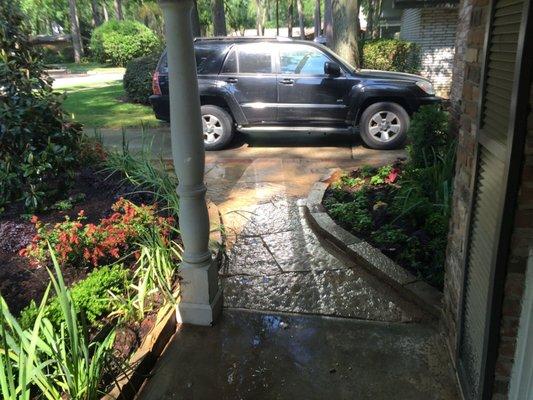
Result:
pixel 428 136
pixel 38 147
pixel 91 297
pixel 391 55
pixel 118 42
pixel 138 78
pixel 82 244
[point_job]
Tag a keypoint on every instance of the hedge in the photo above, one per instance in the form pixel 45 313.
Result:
pixel 391 55
pixel 118 42
pixel 138 78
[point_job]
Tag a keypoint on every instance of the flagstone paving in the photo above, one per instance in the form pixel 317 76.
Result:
pixel 280 335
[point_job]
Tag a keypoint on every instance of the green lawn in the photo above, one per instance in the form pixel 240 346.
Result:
pixel 102 105
pixel 90 68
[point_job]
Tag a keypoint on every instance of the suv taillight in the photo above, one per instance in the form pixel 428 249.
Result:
pixel 156 89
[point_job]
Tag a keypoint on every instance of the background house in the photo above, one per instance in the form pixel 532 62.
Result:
pixel 430 23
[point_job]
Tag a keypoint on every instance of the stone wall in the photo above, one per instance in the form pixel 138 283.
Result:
pixel 434 30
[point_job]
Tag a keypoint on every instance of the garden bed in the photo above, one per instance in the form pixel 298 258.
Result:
pixel 92 193
pixel 19 282
pixel 375 205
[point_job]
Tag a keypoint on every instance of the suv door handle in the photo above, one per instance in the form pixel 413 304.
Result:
pixel 232 80
pixel 286 81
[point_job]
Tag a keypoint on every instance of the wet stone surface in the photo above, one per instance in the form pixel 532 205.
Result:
pixel 278 264
pixel 256 356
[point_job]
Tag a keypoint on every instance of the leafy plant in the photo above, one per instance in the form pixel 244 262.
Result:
pixel 389 236
pixel 381 176
pixel 80 243
pixel 79 363
pixel 48 361
pixel 20 367
pixel 366 171
pixel 118 42
pixel 138 78
pixel 91 296
pixel 67 204
pixel 391 55
pixel 146 175
pixel 429 137
pixel 354 214
pixel 38 148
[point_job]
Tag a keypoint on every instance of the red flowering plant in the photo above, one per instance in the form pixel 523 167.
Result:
pixel 81 244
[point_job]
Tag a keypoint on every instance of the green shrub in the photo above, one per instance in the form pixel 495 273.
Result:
pixel 428 135
pixel 391 55
pixel 38 148
pixel 118 42
pixel 138 78
pixel 355 214
pixel 90 296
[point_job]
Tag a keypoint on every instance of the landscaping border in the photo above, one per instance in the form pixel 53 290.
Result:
pixel 128 384
pixel 366 255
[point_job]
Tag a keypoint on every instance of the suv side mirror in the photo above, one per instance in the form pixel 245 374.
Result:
pixel 332 68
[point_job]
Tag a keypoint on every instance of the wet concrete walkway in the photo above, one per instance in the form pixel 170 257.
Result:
pixel 265 356
pixel 290 343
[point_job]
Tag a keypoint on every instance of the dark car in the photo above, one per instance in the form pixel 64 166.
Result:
pixel 274 85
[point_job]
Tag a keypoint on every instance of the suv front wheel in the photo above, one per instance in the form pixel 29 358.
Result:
pixel 217 127
pixel 384 125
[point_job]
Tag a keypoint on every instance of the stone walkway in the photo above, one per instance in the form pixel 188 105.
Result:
pixel 298 323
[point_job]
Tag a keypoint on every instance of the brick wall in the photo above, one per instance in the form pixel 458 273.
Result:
pixel 434 30
pixel 472 28
pixel 458 69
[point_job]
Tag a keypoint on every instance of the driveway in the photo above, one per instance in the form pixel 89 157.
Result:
pixel 298 322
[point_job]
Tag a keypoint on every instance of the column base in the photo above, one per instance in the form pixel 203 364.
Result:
pixel 200 314
pixel 201 296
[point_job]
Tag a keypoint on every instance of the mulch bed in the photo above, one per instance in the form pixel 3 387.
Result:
pixel 20 283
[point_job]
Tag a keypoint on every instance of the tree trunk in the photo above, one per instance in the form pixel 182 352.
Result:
pixel 317 18
pixel 77 44
pixel 219 17
pixel 345 30
pixel 118 10
pixel 195 20
pixel 97 20
pixel 370 20
pixel 260 17
pixel 106 14
pixel 277 17
pixel 328 21
pixel 289 18
pixel 301 21
pixel 376 19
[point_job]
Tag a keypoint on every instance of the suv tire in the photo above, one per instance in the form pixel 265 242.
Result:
pixel 384 125
pixel 217 127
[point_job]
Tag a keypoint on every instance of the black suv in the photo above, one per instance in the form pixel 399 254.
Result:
pixel 278 85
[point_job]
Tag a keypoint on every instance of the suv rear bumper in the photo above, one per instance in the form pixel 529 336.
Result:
pixel 161 107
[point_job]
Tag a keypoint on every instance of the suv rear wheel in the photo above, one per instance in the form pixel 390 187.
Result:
pixel 217 126
pixel 384 125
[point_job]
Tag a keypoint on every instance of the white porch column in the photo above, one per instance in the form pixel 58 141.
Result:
pixel 201 297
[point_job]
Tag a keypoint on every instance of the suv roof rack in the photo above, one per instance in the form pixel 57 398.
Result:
pixel 242 38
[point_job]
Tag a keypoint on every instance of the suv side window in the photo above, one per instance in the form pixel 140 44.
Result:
pixel 301 60
pixel 254 59
pixel 230 65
